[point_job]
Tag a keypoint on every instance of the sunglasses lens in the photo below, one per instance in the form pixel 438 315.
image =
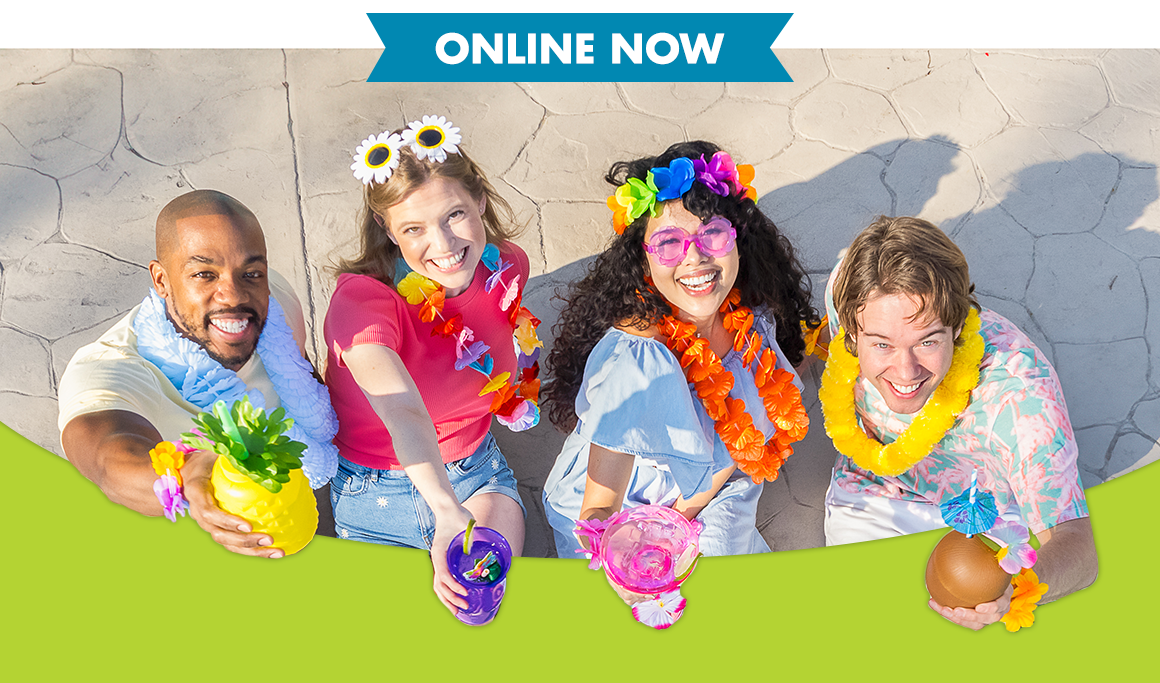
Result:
pixel 668 246
pixel 716 237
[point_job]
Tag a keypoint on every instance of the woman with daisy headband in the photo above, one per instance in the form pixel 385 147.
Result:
pixel 673 362
pixel 419 335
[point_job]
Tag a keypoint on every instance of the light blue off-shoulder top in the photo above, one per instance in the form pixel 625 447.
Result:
pixel 634 399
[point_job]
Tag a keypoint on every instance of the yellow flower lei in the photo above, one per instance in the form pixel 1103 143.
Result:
pixel 929 426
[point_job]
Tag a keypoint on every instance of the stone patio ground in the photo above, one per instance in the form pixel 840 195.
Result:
pixel 1042 165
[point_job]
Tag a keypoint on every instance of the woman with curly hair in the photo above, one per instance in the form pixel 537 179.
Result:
pixel 673 361
pixel 420 352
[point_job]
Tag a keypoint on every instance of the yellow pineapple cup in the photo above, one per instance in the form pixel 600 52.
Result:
pixel 258 474
pixel 290 516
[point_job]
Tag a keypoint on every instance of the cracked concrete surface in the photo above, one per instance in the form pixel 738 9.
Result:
pixel 1041 164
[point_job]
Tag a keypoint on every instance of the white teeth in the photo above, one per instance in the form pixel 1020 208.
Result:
pixel 449 262
pixel 231 326
pixel 904 390
pixel 699 283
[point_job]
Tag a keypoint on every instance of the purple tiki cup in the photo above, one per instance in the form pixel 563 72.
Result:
pixel 484 593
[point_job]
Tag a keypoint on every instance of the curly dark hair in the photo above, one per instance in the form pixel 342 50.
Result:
pixel 614 292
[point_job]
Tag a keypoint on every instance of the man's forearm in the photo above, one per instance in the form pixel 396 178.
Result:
pixel 111 449
pixel 1067 558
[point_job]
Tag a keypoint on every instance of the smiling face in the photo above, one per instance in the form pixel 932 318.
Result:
pixel 904 357
pixel 213 280
pixel 698 285
pixel 439 230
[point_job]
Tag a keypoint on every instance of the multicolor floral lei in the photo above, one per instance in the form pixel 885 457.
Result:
pixel 168 458
pixel 783 404
pixel 515 402
pixel 719 174
pixel 929 426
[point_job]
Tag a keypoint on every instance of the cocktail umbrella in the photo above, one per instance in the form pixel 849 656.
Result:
pixel 971 512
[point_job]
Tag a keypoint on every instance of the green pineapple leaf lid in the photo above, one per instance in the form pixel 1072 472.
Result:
pixel 253 441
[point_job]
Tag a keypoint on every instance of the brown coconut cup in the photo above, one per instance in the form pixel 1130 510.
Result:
pixel 963 572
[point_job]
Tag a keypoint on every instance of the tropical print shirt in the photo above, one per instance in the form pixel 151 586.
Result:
pixel 1015 430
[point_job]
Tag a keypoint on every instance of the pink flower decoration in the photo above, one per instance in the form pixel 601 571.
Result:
pixel 169 494
pixel 186 448
pixel 525 416
pixel 465 335
pixel 593 529
pixel 1016 553
pixel 510 291
pixel 662 612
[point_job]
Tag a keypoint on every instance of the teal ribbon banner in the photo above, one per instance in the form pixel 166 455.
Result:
pixel 444 48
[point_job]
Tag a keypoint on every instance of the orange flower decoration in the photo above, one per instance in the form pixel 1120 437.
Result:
pixel 432 306
pixel 167 459
pixel 738 322
pixel 1024 600
pixel 698 361
pixel 715 387
pixel 745 175
pixel 780 398
pixel 502 395
pixel 751 350
pixel 766 364
pixel 530 390
pixel 619 215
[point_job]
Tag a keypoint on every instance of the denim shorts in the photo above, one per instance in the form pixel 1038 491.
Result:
pixel 383 506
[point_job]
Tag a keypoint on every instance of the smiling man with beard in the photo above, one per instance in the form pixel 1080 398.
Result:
pixel 210 330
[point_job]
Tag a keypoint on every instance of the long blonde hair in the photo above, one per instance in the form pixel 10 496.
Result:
pixel 377 253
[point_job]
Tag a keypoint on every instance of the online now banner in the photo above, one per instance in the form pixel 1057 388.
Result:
pixel 579 47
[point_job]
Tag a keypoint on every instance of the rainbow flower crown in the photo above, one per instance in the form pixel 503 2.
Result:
pixel 432 137
pixel 719 174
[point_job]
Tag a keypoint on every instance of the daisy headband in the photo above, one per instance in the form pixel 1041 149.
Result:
pixel 432 137
pixel 719 174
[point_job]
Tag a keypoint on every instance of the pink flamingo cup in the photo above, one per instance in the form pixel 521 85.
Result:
pixel 649 550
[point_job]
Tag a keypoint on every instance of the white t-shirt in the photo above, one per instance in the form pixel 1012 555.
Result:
pixel 110 374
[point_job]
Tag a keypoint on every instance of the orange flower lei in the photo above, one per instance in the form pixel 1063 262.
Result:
pixel 783 402
pixel 1028 591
